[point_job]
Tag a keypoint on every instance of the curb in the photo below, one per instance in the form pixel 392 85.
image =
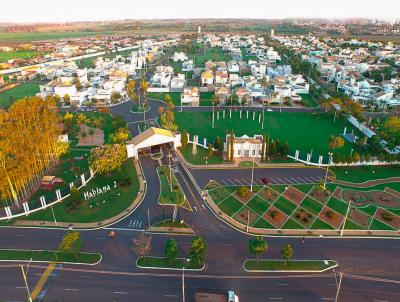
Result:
pixel 291 271
pixel 168 268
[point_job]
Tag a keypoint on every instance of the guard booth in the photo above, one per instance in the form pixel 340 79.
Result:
pixel 152 138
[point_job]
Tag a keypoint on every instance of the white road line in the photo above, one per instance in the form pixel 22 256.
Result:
pixel 332 284
pixel 381 301
pixel 272 180
pixel 100 238
pixel 171 296
pixel 224 182
pixel 282 284
pixel 328 299
pixel 120 293
pixel 287 180
pixel 280 180
pixel 245 181
pixel 308 179
pixel 71 289
pixel 238 181
pixel 20 235
pixel 316 178
pixel 85 276
pixel 231 182
pixel 294 180
pixel 301 180
pixel 20 287
pixel 275 298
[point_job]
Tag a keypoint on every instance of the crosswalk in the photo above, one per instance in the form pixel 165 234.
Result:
pixel 135 224
pixel 273 180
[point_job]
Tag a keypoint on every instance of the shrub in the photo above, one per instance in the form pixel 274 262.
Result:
pixel 274 214
pixel 304 219
pixel 330 214
pixel 387 216
pixel 243 191
pixel 297 215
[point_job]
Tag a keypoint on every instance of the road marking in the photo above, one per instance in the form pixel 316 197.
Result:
pixel 124 229
pixel 245 181
pixel 20 235
pixel 282 284
pixel 120 293
pixel 223 181
pixel 288 181
pixel 332 284
pixel 100 238
pixel 273 180
pixel 38 288
pixel 280 180
pixel 71 289
pixel 275 298
pixel 238 181
pixel 230 181
pixel 85 276
pixel 328 299
pixel 20 287
pixel 171 296
pixel 381 301
pixel 308 179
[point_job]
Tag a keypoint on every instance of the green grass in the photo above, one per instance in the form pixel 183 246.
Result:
pixel 23 54
pixel 258 205
pixel 167 196
pixel 279 125
pixel 285 205
pixel 311 205
pixel 101 207
pixel 218 194
pixel 350 225
pixel 23 90
pixel 291 224
pixel 49 256
pixel 162 262
pixel 200 157
pixel 377 225
pixel 337 205
pixel 321 225
pixel 175 96
pixel 369 210
pixel 308 100
pixel 263 224
pixel 303 188
pixel 278 188
pixel 279 265
pixel 171 224
pixel 230 206
pixel 24 37
pixel 362 174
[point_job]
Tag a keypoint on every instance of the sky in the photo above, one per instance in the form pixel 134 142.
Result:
pixel 97 10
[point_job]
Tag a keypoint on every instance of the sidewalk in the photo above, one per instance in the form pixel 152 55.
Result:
pixel 93 225
pixel 235 165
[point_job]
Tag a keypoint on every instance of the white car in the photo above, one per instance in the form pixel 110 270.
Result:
pixel 269 110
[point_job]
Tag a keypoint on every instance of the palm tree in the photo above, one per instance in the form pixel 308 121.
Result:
pixel 287 253
pixel 257 246
pixel 91 133
pixel 144 86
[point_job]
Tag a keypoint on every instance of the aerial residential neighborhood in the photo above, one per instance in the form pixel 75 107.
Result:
pixel 199 152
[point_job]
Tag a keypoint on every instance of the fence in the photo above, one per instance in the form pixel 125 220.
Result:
pixel 47 199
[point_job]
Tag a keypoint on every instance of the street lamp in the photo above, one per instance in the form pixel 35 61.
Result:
pixel 327 168
pixel 170 170
pixel 183 280
pixel 24 275
pixel 338 284
pixel 252 174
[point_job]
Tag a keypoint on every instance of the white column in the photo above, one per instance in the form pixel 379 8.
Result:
pixel 254 115
pixel 26 207
pixel 71 184
pixel 91 172
pixel 217 115
pixel 58 194
pixel 43 201
pixel 247 114
pixel 308 157
pixel 230 113
pixel 8 212
pixel 205 142
pixel 296 155
pixel 320 160
pixel 83 179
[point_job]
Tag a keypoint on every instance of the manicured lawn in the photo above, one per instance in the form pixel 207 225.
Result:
pixel 218 194
pixel 369 210
pixel 285 205
pixel 311 205
pixel 258 205
pixel 279 265
pixel 362 174
pixel 205 98
pixel 32 36
pixel 176 96
pixel 278 188
pixel 230 206
pixel 321 225
pixel 311 131
pixel 291 224
pixel 200 157
pixel 303 188
pixel 48 256
pixel 337 205
pixel 167 196
pixel 162 262
pixel 308 100
pixel 102 206
pixel 23 54
pixel 377 225
pixel 22 90
pixel 171 224
pixel 263 224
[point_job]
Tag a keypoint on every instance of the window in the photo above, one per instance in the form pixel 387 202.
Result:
pixel 254 152
pixel 238 152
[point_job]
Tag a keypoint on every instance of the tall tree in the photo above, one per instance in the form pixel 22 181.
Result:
pixel 287 252
pixel 257 246
pixel 197 251
pixel 171 249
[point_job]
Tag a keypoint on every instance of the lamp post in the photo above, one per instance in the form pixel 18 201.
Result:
pixel 327 168
pixel 252 175
pixel 183 280
pixel 338 285
pixel 170 170
pixel 24 275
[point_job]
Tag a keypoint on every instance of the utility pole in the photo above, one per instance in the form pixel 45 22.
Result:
pixel 148 216
pixel 183 280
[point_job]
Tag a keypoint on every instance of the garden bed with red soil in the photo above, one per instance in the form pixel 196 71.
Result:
pixel 322 197
pixel 331 217
pixel 359 217
pixel 379 198
pixel 338 193
pixel 294 195
pixel 278 220
pixel 269 194
pixel 392 191
pixel 391 219
pixel 244 199
pixel 303 217
pixel 245 215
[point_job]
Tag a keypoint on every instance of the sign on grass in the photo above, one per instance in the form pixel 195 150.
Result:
pixel 99 190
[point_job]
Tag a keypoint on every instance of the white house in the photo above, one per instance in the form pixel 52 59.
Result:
pixel 178 82
pixel 190 96
pixel 244 146
pixel 188 65
pixel 179 56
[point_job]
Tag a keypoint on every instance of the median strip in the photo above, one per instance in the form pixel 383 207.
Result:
pixel 290 266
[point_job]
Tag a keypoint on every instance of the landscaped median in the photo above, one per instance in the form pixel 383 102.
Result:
pixel 153 262
pixel 169 226
pixel 50 256
pixel 293 266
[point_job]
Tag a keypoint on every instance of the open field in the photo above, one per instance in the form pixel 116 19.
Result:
pixel 201 157
pixel 23 90
pixel 10 55
pixel 303 131
pixel 362 174
pixel 33 36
